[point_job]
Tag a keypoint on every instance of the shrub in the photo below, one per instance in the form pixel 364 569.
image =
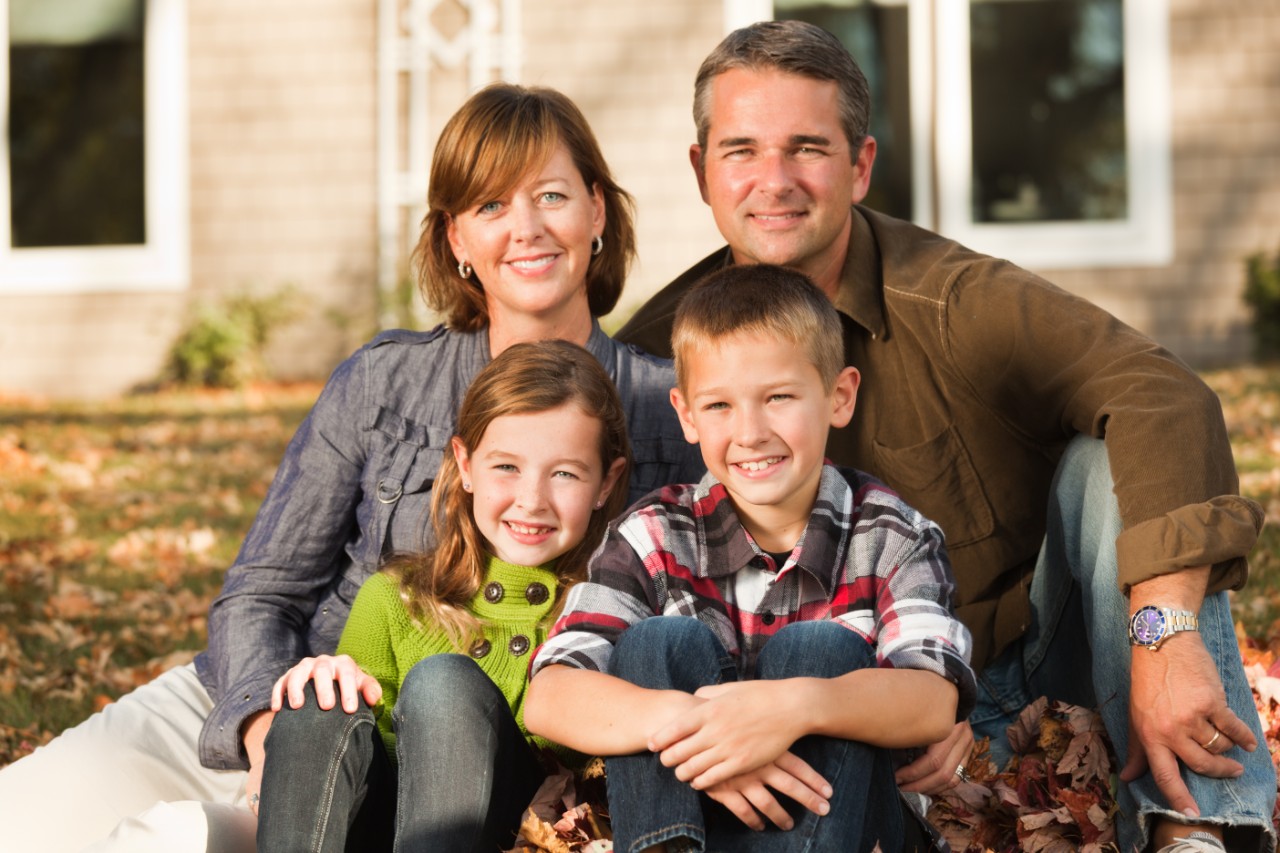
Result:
pixel 1262 295
pixel 223 345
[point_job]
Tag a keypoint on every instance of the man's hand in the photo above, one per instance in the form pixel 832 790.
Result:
pixel 935 771
pixel 326 671
pixel 737 728
pixel 751 794
pixel 1176 706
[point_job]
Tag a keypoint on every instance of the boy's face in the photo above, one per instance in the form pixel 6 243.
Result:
pixel 760 412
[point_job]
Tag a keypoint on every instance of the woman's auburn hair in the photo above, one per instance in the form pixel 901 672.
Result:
pixel 502 134
pixel 526 378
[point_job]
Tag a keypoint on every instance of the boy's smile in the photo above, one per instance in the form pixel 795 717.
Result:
pixel 758 408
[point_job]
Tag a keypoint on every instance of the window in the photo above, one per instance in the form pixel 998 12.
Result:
pixel 94 176
pixel 1036 130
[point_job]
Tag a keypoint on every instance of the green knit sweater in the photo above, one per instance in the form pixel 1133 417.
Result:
pixel 386 642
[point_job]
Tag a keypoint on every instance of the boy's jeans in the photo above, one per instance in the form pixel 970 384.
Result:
pixel 465 771
pixel 1077 649
pixel 649 805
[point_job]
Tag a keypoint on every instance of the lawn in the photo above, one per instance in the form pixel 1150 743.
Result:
pixel 118 519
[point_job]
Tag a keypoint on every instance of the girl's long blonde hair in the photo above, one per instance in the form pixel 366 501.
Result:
pixel 526 378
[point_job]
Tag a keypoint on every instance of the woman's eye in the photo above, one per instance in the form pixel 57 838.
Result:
pixel 552 197
pixel 489 207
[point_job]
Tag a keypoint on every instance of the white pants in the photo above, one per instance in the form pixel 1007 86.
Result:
pixel 129 779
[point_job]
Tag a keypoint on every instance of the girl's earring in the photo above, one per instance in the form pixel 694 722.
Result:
pixel 464 269
pixel 599 504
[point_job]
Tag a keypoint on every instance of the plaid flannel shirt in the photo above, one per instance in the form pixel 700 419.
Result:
pixel 865 560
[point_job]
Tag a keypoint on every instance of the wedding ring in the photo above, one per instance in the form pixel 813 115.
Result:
pixel 1216 734
pixel 962 773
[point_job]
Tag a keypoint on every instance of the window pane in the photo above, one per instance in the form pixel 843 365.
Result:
pixel 76 158
pixel 876 35
pixel 1048 110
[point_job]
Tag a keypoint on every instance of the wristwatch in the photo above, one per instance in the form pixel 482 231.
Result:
pixel 1150 626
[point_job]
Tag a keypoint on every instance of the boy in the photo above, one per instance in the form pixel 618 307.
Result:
pixel 821 635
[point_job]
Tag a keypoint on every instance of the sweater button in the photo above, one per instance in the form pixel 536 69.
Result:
pixel 493 592
pixel 481 649
pixel 536 593
pixel 519 645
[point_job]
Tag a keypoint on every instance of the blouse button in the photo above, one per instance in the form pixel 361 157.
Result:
pixel 493 592
pixel 519 645
pixel 536 593
pixel 481 649
pixel 767 617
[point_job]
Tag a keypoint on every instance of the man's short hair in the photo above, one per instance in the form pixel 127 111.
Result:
pixel 759 299
pixel 795 47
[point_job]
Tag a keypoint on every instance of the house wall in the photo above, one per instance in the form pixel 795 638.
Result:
pixel 283 177
pixel 282 192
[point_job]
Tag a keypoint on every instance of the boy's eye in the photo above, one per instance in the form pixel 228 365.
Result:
pixel 715 407
pixel 774 398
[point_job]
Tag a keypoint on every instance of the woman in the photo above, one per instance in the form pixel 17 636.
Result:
pixel 527 237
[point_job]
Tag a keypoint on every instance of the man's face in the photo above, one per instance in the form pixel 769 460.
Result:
pixel 777 171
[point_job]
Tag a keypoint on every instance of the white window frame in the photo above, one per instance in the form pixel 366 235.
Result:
pixel 942 134
pixel 1146 236
pixel 163 261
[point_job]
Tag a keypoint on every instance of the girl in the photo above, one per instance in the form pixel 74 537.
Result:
pixel 539 465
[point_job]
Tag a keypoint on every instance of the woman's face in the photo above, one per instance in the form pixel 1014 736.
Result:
pixel 530 247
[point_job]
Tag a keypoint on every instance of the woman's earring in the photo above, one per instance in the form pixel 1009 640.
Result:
pixel 466 487
pixel 464 269
pixel 597 245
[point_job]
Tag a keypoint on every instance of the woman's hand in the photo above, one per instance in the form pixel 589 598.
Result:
pixel 327 670
pixel 938 769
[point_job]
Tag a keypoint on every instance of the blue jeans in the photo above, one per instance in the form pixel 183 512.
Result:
pixel 465 771
pixel 1077 649
pixel 649 805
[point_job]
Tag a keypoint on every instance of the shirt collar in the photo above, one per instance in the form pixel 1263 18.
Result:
pixel 860 294
pixel 726 547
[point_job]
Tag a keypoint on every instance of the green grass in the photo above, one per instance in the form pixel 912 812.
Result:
pixel 118 519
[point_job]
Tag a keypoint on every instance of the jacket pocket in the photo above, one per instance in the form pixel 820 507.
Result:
pixel 399 482
pixel 937 478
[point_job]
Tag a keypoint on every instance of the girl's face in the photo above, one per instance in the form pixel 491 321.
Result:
pixel 535 480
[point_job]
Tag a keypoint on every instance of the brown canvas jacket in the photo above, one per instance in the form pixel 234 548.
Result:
pixel 975 374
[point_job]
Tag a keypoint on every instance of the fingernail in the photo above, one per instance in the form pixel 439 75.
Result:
pixel 826 791
pixel 1191 811
pixel 823 808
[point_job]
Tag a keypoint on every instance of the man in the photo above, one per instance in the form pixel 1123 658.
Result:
pixel 985 392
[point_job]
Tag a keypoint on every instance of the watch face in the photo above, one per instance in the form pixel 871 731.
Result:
pixel 1148 625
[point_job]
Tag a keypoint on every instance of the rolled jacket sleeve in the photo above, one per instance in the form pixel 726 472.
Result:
pixel 1217 533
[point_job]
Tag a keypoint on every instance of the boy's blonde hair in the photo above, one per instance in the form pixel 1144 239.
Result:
pixel 760 299
pixel 526 378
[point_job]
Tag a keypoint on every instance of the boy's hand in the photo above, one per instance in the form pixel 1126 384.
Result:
pixel 935 771
pixel 325 671
pixel 737 728
pixel 750 795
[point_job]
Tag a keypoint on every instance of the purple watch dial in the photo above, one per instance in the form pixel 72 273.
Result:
pixel 1148 625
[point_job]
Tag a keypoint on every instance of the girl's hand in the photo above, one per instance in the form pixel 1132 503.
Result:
pixel 325 671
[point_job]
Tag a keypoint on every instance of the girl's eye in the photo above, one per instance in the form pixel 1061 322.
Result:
pixel 507 467
pixel 566 475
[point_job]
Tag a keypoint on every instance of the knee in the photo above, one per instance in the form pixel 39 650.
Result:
pixel 814 650
pixel 309 722
pixel 654 652
pixel 445 685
